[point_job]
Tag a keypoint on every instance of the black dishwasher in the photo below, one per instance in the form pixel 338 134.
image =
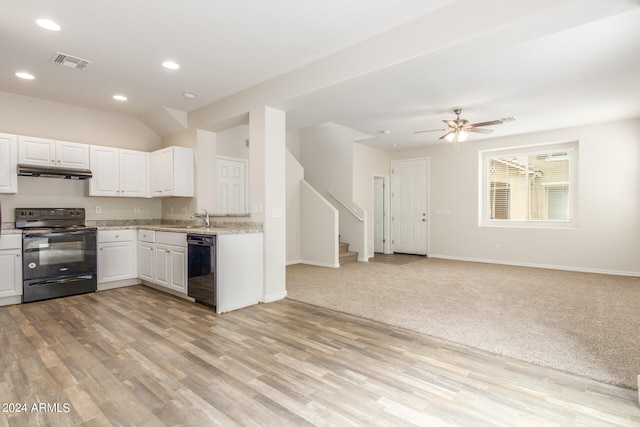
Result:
pixel 201 284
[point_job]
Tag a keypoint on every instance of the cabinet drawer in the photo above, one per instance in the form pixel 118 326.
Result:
pixel 169 238
pixel 105 236
pixel 11 241
pixel 146 236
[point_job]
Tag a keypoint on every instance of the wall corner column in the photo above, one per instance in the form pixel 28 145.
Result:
pixel 267 135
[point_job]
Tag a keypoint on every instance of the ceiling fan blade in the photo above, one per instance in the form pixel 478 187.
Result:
pixel 451 123
pixel 431 130
pixel 491 123
pixel 445 135
pixel 478 130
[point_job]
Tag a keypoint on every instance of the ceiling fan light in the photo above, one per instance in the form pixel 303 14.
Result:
pixel 463 135
pixel 450 136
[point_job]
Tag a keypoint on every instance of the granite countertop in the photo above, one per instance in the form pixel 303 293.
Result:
pixel 218 227
pixel 8 231
pixel 226 227
pixel 215 230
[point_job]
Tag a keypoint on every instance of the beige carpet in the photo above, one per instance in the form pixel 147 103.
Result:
pixel 587 324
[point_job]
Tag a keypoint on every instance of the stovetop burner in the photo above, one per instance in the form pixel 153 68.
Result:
pixel 58 218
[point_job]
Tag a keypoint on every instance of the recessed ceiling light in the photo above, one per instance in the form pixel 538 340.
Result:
pixel 48 24
pixel 170 65
pixel 24 75
pixel 119 97
pixel 189 94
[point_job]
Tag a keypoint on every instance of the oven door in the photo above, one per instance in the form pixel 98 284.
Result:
pixel 52 253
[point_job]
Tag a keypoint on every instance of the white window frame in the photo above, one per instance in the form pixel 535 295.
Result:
pixel 485 157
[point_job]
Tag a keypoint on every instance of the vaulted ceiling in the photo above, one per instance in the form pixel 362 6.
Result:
pixel 556 64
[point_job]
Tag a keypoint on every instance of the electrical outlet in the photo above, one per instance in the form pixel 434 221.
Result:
pixel 136 209
pixel 98 209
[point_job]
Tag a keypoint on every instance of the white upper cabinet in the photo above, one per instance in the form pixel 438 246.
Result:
pixel 119 172
pixel 172 172
pixel 105 170
pixel 72 155
pixel 8 163
pixel 134 174
pixel 37 151
pixel 48 152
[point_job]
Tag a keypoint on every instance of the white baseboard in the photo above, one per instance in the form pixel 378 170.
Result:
pixel 15 299
pixel 547 266
pixel 118 284
pixel 317 264
pixel 274 297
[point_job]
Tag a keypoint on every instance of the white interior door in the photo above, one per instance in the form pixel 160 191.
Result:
pixel 409 198
pixel 378 214
pixel 231 192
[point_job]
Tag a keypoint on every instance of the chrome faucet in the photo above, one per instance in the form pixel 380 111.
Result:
pixel 204 216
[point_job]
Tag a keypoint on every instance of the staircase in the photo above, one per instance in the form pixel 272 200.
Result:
pixel 345 256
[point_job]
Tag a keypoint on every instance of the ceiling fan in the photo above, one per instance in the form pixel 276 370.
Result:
pixel 459 129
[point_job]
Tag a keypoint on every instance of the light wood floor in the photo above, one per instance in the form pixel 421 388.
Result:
pixel 138 357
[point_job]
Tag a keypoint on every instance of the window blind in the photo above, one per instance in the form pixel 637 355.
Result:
pixel 530 186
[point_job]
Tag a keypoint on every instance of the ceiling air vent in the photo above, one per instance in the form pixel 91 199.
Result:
pixel 70 61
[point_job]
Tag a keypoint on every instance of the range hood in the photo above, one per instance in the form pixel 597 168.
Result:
pixel 49 172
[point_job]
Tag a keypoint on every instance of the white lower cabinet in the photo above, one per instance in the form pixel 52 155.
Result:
pixel 146 261
pixel 11 268
pixel 116 255
pixel 171 267
pixel 162 259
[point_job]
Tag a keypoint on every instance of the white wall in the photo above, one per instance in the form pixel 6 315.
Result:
pixel 35 117
pixel 295 175
pixel 233 142
pixel 326 153
pixel 319 229
pixel 608 204
pixel 267 132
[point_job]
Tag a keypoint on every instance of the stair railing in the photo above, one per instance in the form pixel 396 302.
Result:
pixel 347 207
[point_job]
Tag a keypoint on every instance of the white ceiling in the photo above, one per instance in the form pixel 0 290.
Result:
pixel 572 64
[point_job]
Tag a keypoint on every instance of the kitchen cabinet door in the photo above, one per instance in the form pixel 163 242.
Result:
pixel 117 258
pixel 8 163
pixel 146 261
pixel 72 155
pixel 47 152
pixel 36 151
pixel 179 269
pixel 163 265
pixel 116 261
pixel 133 173
pixel 11 266
pixel 172 172
pixel 171 267
pixel 162 173
pixel 105 166
pixel 119 172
